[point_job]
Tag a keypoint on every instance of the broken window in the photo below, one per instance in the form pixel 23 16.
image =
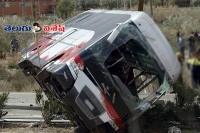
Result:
pixel 129 65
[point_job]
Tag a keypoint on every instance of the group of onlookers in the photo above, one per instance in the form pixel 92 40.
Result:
pixel 193 63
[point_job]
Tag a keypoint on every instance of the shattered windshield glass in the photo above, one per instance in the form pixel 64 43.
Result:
pixel 102 49
pixel 137 56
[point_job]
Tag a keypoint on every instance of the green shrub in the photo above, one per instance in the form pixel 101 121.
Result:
pixel 182 3
pixel 184 110
pixel 45 106
pixel 3 100
pixel 188 100
pixel 196 3
pixel 161 113
pixel 51 107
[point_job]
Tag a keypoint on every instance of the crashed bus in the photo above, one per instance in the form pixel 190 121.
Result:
pixel 94 68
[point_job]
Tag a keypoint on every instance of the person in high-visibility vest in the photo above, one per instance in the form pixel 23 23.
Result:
pixel 180 79
pixel 180 59
pixel 194 65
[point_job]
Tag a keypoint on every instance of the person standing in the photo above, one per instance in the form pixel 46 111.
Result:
pixel 181 44
pixel 194 65
pixel 197 38
pixel 14 45
pixel 180 60
pixel 191 44
pixel 180 79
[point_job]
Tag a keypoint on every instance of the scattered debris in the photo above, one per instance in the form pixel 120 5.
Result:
pixel 173 122
pixel 59 117
pixel 36 124
pixel 174 129
pixel 4 113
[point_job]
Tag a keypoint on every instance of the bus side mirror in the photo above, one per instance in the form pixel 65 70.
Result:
pixel 115 33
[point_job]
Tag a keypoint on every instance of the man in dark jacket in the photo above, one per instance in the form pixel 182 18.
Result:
pixel 14 45
pixel 191 44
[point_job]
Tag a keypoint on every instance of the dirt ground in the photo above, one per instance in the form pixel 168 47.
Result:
pixel 12 127
pixel 16 127
pixel 191 128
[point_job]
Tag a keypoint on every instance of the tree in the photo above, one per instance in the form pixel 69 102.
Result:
pixel 92 4
pixel 64 9
pixel 157 2
pixel 195 3
pixel 109 4
pixel 182 3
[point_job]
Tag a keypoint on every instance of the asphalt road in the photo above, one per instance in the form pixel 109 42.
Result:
pixel 23 103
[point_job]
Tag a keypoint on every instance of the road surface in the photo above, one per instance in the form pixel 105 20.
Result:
pixel 23 103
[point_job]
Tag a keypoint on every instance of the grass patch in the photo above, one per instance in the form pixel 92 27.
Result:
pixel 20 82
pixel 12 65
pixel 4 75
